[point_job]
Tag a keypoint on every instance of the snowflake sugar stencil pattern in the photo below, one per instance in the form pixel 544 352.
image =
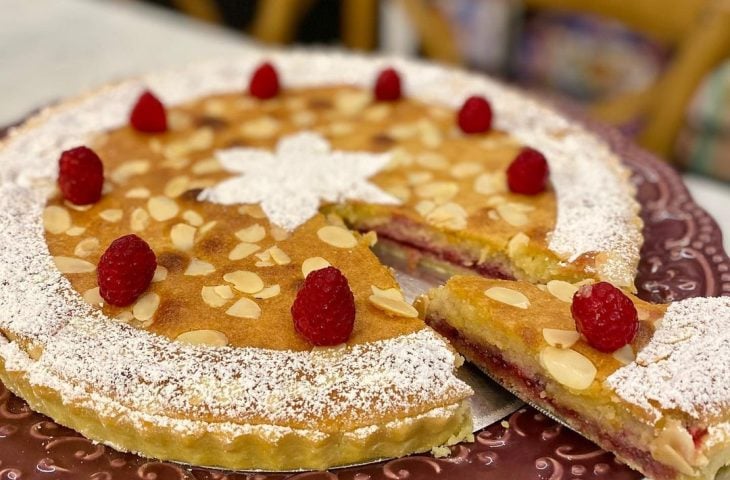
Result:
pixel 290 182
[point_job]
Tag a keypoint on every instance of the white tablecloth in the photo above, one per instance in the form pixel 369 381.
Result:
pixel 50 49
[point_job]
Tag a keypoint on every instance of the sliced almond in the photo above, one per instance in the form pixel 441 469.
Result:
pixel 199 267
pixel 268 292
pixel 625 354
pixel 560 338
pixel 201 139
pixel 337 236
pixel 508 296
pixel 125 316
pixel 160 274
pixel 418 178
pixel 162 208
pixel 244 308
pixel 313 263
pixel 675 446
pixel 490 183
pixel 352 102
pixel 254 211
pixel 178 120
pixel 338 129
pixel 204 337
pixel 424 207
pixel 450 215
pixel 568 367
pixel 204 167
pixel 392 293
pixel 264 127
pixel 215 107
pixel 304 118
pixel 214 299
pixel 56 219
pixel 399 158
pixel 432 160
pixel 207 228
pixel 146 306
pixel 86 247
pixel 73 265
pixel 562 290
pixel 278 233
pixel 394 306
pixel 129 169
pixel 193 218
pixel 516 244
pixel 438 191
pixel 139 192
pixel 512 215
pixel 377 113
pixel 244 281
pixel 182 236
pixel 403 131
pixel 465 169
pixel 75 231
pixel 177 186
pixel 139 220
pixel 401 192
pixel 430 134
pixel 112 215
pixel 252 234
pixel 93 297
pixel 243 250
pixel 370 238
pixel 279 256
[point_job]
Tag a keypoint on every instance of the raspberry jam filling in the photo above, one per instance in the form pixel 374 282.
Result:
pixel 492 362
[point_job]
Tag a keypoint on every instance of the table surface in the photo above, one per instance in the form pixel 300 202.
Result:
pixel 51 49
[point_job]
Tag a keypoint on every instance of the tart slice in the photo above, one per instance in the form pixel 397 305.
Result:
pixel 660 402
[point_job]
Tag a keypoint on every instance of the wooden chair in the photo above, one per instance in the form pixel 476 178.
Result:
pixel 697 30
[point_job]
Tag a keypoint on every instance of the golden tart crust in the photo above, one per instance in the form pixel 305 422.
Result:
pixel 65 355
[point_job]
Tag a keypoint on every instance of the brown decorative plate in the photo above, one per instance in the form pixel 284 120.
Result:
pixel 682 257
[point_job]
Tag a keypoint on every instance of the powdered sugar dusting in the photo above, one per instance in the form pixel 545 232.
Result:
pixel 685 366
pixel 290 183
pixel 150 372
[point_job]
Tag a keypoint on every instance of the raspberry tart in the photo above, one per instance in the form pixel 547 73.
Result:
pixel 647 382
pixel 183 273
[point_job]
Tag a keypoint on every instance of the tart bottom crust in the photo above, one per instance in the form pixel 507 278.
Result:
pixel 628 440
pixel 240 447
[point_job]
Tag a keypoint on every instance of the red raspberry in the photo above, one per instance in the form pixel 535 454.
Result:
pixel 387 85
pixel 528 172
pixel 80 176
pixel 324 310
pixel 264 82
pixel 125 270
pixel 475 116
pixel 604 316
pixel 148 114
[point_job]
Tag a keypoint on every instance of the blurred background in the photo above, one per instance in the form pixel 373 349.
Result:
pixel 658 70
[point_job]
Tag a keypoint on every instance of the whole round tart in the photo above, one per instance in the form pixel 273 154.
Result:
pixel 183 275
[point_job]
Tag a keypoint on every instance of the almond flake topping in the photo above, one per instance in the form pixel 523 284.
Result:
pixel 160 274
pixel 395 306
pixel 182 236
pixel 243 250
pixel 313 263
pixel 508 296
pixel 268 292
pixel 73 265
pixel 162 208
pixel 560 338
pixel 199 267
pixel 204 337
pixel 244 308
pixel 244 281
pixel 337 236
pixel 86 247
pixel 139 220
pixel 56 219
pixel 146 306
pixel 562 290
pixel 113 215
pixel 568 367
pixel 254 233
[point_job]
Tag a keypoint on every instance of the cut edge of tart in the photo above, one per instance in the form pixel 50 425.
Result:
pixel 660 403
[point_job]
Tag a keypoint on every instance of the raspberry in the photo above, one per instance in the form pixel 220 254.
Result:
pixel 148 114
pixel 125 270
pixel 528 172
pixel 324 310
pixel 387 85
pixel 604 316
pixel 80 176
pixel 475 116
pixel 264 82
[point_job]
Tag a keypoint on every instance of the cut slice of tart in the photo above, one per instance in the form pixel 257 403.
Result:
pixel 661 403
